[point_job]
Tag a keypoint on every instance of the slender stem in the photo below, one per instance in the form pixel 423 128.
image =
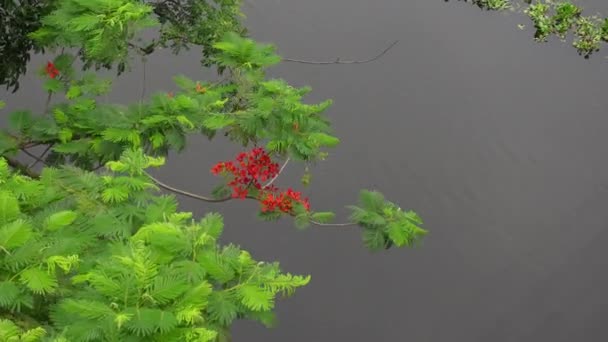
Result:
pixel 15 164
pixel 46 150
pixel 33 156
pixel 277 175
pixel 214 200
pixel 332 224
pixel 48 102
pixel 186 193
pixel 143 86
pixel 339 61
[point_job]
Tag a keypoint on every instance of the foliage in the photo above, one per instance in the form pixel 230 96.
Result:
pixel 559 18
pixel 18 19
pixel 101 29
pixel 160 275
pixel 89 250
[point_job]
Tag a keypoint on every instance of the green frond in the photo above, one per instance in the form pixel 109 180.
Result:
pixel 14 235
pixel 38 281
pixel 146 322
pixel 165 290
pixel 9 294
pixel 255 297
pixel 9 207
pixel 222 308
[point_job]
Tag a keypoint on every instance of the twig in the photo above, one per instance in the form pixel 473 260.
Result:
pixel 19 166
pixel 332 224
pixel 33 156
pixel 143 86
pixel 46 150
pixel 225 199
pixel 277 175
pixel 48 102
pixel 186 193
pixel 339 61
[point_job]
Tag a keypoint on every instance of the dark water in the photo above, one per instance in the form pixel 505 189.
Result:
pixel 498 142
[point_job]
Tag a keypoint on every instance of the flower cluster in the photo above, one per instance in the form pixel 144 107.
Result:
pixel 248 170
pixel 252 168
pixel 51 70
pixel 283 201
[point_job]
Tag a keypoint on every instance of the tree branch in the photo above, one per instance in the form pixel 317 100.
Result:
pixel 338 61
pixel 277 175
pixel 186 193
pixel 15 164
pixel 225 199
pixel 39 159
pixel 332 224
pixel 35 157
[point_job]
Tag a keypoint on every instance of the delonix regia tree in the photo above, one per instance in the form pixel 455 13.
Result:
pixel 90 250
pixel 560 18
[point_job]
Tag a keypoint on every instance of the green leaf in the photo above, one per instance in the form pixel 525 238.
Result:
pixel 215 267
pixel 38 281
pixel 255 297
pixel 73 92
pixel 221 308
pixel 60 116
pixel 218 121
pixel 373 239
pixel 33 335
pixel 145 322
pixel 20 120
pixel 9 207
pixel 52 85
pixel 2 104
pixel 65 135
pixel 322 139
pixel 201 335
pixel 185 121
pixel 60 220
pixel 221 191
pixel 196 297
pixel 9 294
pixel 184 82
pixel 9 331
pixel 372 200
pixel 85 308
pixel 213 224
pixel 73 147
pixel 14 234
pixel 398 234
pixel 302 221
pixel 267 318
pixel 412 216
pixel 323 217
pixel 115 194
pixel 7 143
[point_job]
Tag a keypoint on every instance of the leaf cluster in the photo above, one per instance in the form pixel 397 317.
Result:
pixel 384 223
pixel 89 257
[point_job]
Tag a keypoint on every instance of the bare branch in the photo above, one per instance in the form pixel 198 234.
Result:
pixel 332 224
pixel 40 159
pixel 35 157
pixel 277 175
pixel 186 193
pixel 339 61
pixel 15 164
pixel 225 199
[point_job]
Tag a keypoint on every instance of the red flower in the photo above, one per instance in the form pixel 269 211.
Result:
pixel 51 70
pixel 248 170
pixel 200 89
